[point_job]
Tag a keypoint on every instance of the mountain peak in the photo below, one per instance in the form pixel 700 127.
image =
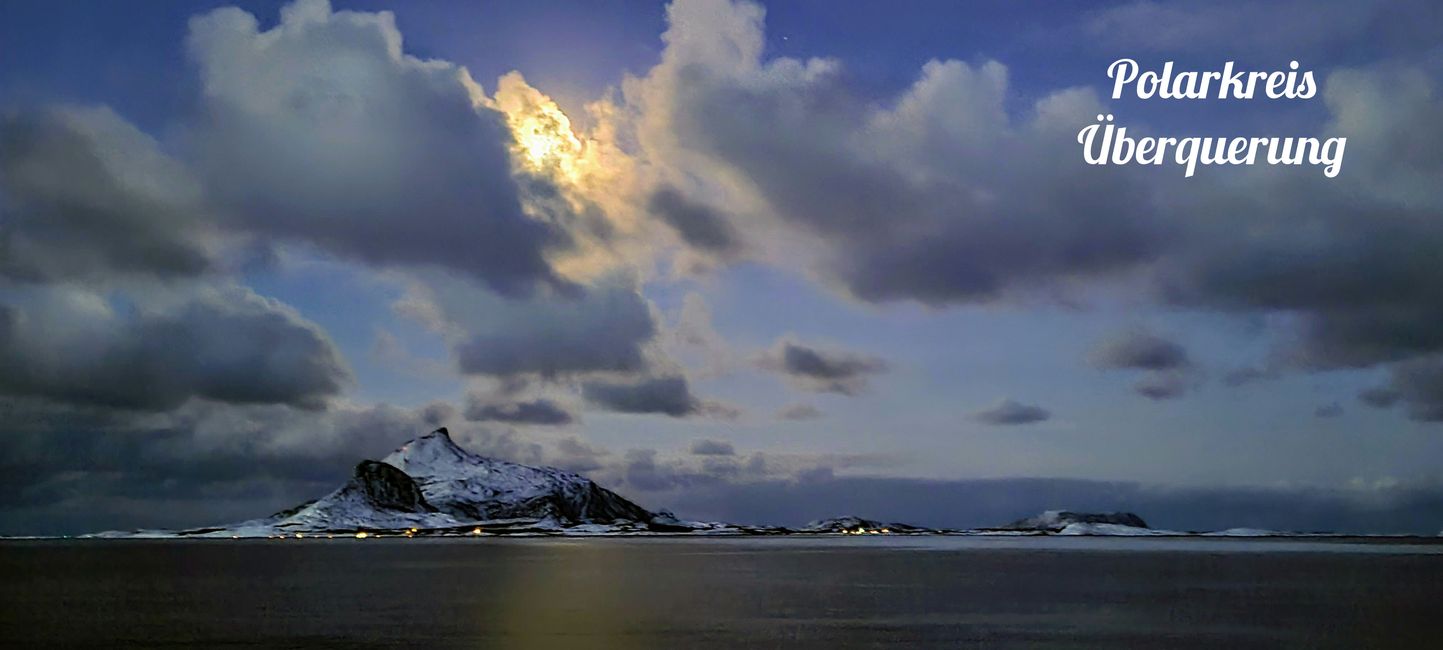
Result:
pixel 426 452
pixel 440 436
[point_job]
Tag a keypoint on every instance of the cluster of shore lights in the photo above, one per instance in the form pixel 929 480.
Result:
pixel 410 532
pixel 867 531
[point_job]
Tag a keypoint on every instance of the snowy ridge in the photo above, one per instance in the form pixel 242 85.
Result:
pixel 1058 521
pixel 475 488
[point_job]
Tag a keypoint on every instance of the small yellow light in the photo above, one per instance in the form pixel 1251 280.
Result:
pixel 298 535
pixel 362 535
pixel 476 531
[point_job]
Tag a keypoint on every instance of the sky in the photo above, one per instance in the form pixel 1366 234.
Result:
pixel 755 262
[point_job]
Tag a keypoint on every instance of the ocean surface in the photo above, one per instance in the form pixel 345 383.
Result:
pixel 944 592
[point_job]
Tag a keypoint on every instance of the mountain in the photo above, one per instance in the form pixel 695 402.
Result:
pixel 1066 522
pixel 852 525
pixel 431 486
pixel 475 488
pixel 378 496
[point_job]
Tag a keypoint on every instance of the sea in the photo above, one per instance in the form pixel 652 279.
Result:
pixel 680 593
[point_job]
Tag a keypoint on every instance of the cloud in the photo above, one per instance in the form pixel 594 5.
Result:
pixel 1166 362
pixel 85 196
pixel 1161 385
pixel 1418 383
pixel 74 468
pixel 541 412
pixel 577 456
pixel 1139 350
pixel 697 225
pixel 898 199
pixel 821 370
pixel 1008 412
pixel 647 471
pixel 603 327
pixel 799 412
pixel 665 395
pixel 1347 258
pixel 712 448
pixel 1380 397
pixel 1246 375
pixel 643 472
pixel 154 351
pixel 1330 410
pixel 437 414
pixel 322 129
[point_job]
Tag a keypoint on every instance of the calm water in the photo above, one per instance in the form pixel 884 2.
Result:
pixel 687 593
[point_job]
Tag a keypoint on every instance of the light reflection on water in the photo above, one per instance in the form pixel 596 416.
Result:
pixel 714 593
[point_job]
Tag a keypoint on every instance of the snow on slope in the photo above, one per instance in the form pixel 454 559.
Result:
pixel 1116 530
pixel 378 496
pixel 475 488
pixel 1056 521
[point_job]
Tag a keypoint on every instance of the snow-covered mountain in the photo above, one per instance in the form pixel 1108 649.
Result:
pixel 431 486
pixel 378 496
pixel 469 487
pixel 1081 523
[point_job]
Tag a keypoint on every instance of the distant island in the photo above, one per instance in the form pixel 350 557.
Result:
pixel 432 487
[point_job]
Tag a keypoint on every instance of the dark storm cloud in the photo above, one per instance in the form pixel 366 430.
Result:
pixel 696 224
pixel 323 129
pixel 1139 350
pixel 1352 259
pixel 1379 397
pixel 1009 412
pixel 1419 384
pixel 605 328
pixel 821 370
pixel 540 411
pixel 225 344
pixel 666 395
pixel 71 469
pixel 706 447
pixel 1165 361
pixel 84 195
